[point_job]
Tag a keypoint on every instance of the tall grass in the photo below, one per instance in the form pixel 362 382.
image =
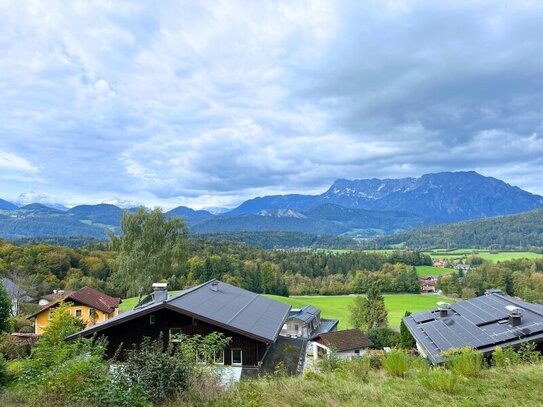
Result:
pixel 466 362
pixel 396 363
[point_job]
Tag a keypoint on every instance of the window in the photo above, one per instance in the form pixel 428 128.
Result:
pixel 152 319
pixel 78 313
pixel 92 313
pixel 237 357
pixel 219 357
pixel 296 327
pixel 175 334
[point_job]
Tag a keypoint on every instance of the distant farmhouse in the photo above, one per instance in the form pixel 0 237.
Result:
pixel 306 322
pixel 251 320
pixel 482 323
pixel 428 284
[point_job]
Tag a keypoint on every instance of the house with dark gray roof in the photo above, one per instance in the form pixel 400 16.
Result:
pixel 482 323
pixel 345 344
pixel 305 322
pixel 252 321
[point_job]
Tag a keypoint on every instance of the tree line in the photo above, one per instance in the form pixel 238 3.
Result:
pixel 154 248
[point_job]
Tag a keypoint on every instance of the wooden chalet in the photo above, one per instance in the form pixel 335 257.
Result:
pixel 252 321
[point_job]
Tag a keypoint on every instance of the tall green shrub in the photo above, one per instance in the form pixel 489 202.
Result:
pixel 5 308
pixel 406 339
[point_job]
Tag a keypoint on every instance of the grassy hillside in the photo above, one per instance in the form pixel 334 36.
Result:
pixel 518 386
pixel 336 307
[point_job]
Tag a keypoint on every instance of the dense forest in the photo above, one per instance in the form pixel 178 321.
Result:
pixel 283 240
pixel 40 268
pixel 513 231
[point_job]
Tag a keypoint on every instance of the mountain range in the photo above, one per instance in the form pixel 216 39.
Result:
pixel 357 208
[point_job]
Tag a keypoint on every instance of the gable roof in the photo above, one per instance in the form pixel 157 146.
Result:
pixel 88 296
pixel 219 304
pixel 342 341
pixel 305 314
pixel 14 290
pixel 481 323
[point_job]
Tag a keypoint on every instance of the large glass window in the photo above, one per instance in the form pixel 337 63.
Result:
pixel 237 357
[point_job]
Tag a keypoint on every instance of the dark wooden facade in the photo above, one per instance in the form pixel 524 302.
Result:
pixel 130 332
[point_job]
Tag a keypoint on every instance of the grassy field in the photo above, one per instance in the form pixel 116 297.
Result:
pixel 485 254
pixel 424 271
pixel 336 307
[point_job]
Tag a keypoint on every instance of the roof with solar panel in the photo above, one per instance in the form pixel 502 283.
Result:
pixel 482 323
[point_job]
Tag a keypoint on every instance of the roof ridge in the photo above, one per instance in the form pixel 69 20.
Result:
pixel 243 308
pixel 188 291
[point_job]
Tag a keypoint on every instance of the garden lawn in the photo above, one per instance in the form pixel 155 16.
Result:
pixel 336 307
pixel 424 271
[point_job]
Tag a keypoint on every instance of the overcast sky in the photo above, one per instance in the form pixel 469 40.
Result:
pixel 210 103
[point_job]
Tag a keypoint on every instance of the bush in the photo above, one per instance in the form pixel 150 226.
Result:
pixel 396 363
pixel 384 337
pixel 12 348
pixel 466 362
pixel 165 373
pixel 3 371
pixel 505 357
pixel 439 380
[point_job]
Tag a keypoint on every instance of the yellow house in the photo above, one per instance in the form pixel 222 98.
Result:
pixel 88 304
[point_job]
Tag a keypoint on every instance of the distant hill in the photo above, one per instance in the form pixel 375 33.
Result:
pixel 39 221
pixel 7 206
pixel 525 229
pixel 189 214
pixel 438 198
pixel 101 214
pixel 327 219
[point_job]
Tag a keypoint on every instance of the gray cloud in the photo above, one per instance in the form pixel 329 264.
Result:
pixel 211 103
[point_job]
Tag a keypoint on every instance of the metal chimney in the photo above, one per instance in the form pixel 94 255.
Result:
pixel 515 315
pixel 160 292
pixel 215 285
pixel 443 308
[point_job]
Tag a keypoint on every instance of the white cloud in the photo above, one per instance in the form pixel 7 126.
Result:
pixel 15 163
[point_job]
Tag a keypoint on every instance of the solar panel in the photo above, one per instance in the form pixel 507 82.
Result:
pixel 423 316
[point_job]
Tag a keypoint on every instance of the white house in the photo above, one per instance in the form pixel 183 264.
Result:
pixel 344 344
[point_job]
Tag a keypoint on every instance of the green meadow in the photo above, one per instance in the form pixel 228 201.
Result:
pixel 336 306
pixel 424 271
pixel 494 256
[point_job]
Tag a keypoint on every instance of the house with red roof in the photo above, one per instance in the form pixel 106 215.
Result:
pixel 88 304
